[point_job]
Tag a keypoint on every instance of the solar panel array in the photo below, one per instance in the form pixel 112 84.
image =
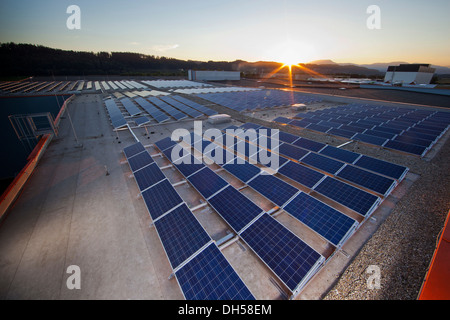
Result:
pixel 202 272
pixel 256 99
pixel 409 130
pixel 346 178
pixel 298 263
pixel 115 115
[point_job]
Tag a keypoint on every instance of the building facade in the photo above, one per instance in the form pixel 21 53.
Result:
pixel 409 74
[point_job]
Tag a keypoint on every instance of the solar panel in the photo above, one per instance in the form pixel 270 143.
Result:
pixel 209 276
pixel 259 157
pixel 412 140
pixel 340 154
pixel 366 179
pixel 250 125
pixel 356 199
pixel 148 176
pixel 341 133
pixel 380 134
pixel 140 161
pixel 287 137
pixel 370 139
pixel 309 144
pixel 300 123
pixel 119 123
pixel 246 149
pixel 273 188
pixel 319 127
pixel 141 121
pixel 291 259
pixel 131 108
pixel 161 198
pixel 243 172
pixel 386 128
pixel 323 163
pixel 133 150
pixel 207 182
pixel 405 147
pixel 291 151
pixel 181 235
pixel 352 128
pixel 235 208
pixel 189 165
pixel 326 221
pixel 165 143
pixel 301 174
pixel 379 166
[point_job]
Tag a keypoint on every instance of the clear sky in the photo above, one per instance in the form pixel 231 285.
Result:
pixel 252 30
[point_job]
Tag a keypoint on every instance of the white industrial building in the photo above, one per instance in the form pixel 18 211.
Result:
pixel 201 75
pixel 409 74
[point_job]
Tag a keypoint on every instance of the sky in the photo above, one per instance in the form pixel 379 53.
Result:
pixel 413 31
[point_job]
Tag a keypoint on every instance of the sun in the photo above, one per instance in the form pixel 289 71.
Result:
pixel 291 53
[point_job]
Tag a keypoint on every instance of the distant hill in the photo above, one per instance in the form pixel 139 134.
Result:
pixel 382 66
pixel 35 60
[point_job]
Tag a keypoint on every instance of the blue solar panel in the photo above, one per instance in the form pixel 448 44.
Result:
pixel 235 208
pixel 340 154
pixel 417 135
pixel 268 159
pixel 220 155
pixel 119 123
pixel 165 143
pixel 341 133
pixel 246 149
pixel 291 259
pixel 282 120
pixel 300 123
pixel 148 176
pixel 141 121
pixel 353 129
pixel 301 174
pixel 386 168
pixel 161 198
pixel 274 189
pixel 326 221
pixel 207 182
pixel 380 134
pixel 291 151
pixel 209 276
pixel 189 165
pixel 405 147
pixel 243 172
pixel 412 140
pixel 347 195
pixel 366 179
pixel 140 161
pixel 309 144
pixel 287 137
pixel 370 139
pixel 319 127
pixel 181 235
pixel 250 125
pixel 133 150
pixel 131 108
pixel 323 163
pixel 385 128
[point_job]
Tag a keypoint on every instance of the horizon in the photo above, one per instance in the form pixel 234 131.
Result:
pixel 288 32
pixel 230 61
